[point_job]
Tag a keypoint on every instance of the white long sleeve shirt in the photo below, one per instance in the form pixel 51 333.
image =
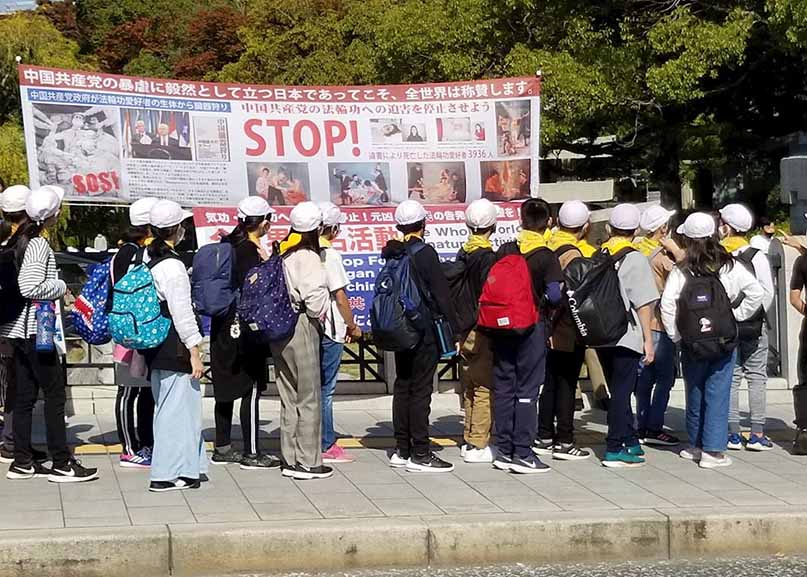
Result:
pixel 736 280
pixel 174 287
pixel 762 270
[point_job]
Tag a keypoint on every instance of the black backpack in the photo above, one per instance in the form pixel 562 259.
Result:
pixel 594 298
pixel 465 306
pixel 12 303
pixel 705 317
pixel 751 328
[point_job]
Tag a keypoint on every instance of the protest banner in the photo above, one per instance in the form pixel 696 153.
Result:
pixel 108 138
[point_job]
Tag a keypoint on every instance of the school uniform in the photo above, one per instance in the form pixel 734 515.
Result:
pixel 179 449
pixel 297 362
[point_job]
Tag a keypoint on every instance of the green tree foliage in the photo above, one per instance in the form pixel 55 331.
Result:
pixel 13 168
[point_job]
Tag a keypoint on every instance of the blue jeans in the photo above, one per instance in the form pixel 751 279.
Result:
pixel 708 389
pixel 653 387
pixel 331 358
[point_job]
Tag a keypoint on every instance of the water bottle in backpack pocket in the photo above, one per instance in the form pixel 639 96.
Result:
pixel 90 311
pixel 45 314
pixel 705 319
pixel 265 307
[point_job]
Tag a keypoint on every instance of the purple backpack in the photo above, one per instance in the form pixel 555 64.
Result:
pixel 265 306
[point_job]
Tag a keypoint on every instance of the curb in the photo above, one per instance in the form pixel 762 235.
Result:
pixel 333 545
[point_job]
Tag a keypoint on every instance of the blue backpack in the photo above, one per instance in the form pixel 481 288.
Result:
pixel 136 320
pixel 397 314
pixel 265 306
pixel 90 313
pixel 213 287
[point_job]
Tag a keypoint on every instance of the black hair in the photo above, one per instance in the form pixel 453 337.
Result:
pixel 411 228
pixel 136 234
pixel 535 214
pixel 326 230
pixel 309 240
pixel 705 256
pixel 27 231
pixel 622 232
pixel 5 230
pixel 245 226
pixel 763 221
pixel 159 247
pixel 572 230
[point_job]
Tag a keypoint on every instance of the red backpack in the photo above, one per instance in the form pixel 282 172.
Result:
pixel 507 305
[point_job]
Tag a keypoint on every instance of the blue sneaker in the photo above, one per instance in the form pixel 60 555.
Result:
pixel 622 459
pixel 636 451
pixel 759 443
pixel 735 442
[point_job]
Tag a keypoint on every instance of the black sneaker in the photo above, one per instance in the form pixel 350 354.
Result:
pixel 430 463
pixel 303 473
pixel 73 472
pixel 529 465
pixel 502 462
pixel 203 478
pixel 568 452
pixel 6 455
pixel 660 438
pixel 287 470
pixel 18 472
pixel 578 405
pixel 179 485
pixel 259 462
pixel 231 456
pixel 540 447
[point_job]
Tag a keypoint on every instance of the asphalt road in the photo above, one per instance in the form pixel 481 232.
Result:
pixel 768 567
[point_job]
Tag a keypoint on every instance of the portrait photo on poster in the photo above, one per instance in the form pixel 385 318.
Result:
pixel 156 134
pixel 437 182
pixel 415 132
pixel 360 183
pixel 513 127
pixel 386 130
pixel 78 148
pixel 505 180
pixel 280 183
pixel 454 129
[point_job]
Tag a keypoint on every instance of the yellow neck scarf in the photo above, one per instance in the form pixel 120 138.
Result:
pixel 529 240
pixel 586 248
pixel 732 243
pixel 614 245
pixel 647 245
pixel 412 235
pixel 254 238
pixel 561 238
pixel 324 242
pixel 293 240
pixel 475 242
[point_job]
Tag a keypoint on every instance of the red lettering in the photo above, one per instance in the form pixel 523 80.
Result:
pixel 78 184
pixel 115 180
pixel 260 143
pixel 278 125
pixel 316 139
pixel 106 181
pixel 335 132
pixel 92 183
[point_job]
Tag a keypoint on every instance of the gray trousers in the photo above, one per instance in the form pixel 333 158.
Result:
pixel 752 362
pixel 298 382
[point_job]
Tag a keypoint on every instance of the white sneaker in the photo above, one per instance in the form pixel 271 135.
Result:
pixel 474 455
pixel 463 450
pixel 691 454
pixel 396 461
pixel 711 462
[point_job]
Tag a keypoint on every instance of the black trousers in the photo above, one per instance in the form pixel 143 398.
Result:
pixel 249 421
pixel 412 398
pixel 558 395
pixel 39 371
pixel 135 433
pixel 621 369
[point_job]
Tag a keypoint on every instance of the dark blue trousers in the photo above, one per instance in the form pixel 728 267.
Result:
pixel 621 369
pixel 519 364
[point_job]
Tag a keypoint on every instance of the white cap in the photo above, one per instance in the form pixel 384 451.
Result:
pixel 625 217
pixel 42 204
pixel 140 209
pixel 481 214
pixel 254 206
pixel 409 212
pixel 655 217
pixel 737 217
pixel 167 213
pixel 573 214
pixel 331 214
pixel 14 198
pixel 305 217
pixel 57 189
pixel 697 225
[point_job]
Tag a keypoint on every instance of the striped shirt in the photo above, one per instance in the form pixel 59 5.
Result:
pixel 38 280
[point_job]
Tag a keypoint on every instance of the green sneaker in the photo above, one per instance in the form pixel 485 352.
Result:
pixel 622 459
pixel 636 451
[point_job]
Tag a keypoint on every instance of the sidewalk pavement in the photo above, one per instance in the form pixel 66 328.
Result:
pixel 367 493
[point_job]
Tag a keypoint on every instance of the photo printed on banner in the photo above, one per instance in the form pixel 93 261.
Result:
pixel 211 138
pixel 156 134
pixel 78 148
pixel 280 183
pixel 386 130
pixel 360 183
pixel 454 129
pixel 437 182
pixel 513 127
pixel 504 180
pixel 415 132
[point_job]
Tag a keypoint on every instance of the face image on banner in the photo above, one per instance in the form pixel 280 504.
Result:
pixel 454 130
pixel 360 183
pixel 156 134
pixel 78 148
pixel 513 127
pixel 281 184
pixel 415 132
pixel 437 182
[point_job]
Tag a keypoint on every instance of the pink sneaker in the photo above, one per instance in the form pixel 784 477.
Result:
pixel 140 460
pixel 336 454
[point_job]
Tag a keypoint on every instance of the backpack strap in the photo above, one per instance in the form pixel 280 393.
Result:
pixel 154 262
pixel 746 258
pixel 622 253
pixel 566 248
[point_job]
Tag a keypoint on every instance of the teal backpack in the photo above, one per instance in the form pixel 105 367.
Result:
pixel 136 320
